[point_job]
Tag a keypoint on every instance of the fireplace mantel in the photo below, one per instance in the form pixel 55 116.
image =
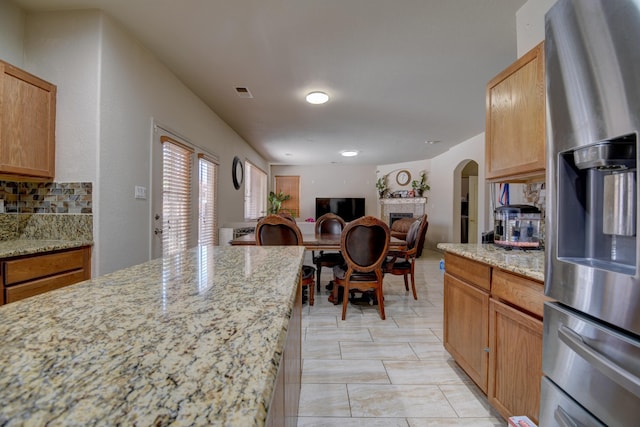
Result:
pixel 415 205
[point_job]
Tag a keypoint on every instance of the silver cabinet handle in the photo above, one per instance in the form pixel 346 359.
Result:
pixel 610 369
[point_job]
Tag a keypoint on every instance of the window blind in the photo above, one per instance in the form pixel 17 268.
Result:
pixel 255 192
pixel 207 221
pixel 176 196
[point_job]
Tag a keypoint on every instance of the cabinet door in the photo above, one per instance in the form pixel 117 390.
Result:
pixel 515 361
pixel 466 325
pixel 515 127
pixel 27 124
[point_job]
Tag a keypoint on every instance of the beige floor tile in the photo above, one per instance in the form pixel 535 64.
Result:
pixel 319 321
pixel 402 335
pixel 321 350
pixel 435 371
pixel 375 400
pixel 352 422
pixel 344 372
pixel 430 351
pixel 467 400
pixel 455 422
pixel 378 351
pixel 337 334
pixel 326 400
pixel 422 322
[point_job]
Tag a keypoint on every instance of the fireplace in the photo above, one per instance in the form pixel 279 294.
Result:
pixel 398 215
pixel 409 206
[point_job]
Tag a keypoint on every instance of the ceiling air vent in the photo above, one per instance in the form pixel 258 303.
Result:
pixel 243 92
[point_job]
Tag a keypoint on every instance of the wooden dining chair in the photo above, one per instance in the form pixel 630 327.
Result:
pixel 364 244
pixel 331 224
pixel 275 230
pixel 402 263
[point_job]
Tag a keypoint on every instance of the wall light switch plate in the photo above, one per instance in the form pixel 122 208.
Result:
pixel 140 192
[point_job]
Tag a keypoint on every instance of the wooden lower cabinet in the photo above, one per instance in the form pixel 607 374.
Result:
pixel 466 327
pixel 26 276
pixel 493 330
pixel 515 361
pixel 283 411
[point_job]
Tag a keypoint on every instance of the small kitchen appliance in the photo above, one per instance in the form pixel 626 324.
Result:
pixel 517 226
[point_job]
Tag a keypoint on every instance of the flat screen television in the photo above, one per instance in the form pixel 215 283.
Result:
pixel 347 208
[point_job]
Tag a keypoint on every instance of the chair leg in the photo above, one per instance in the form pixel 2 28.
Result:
pixel 318 270
pixel 345 300
pixel 380 302
pixel 413 282
pixel 406 282
pixel 312 293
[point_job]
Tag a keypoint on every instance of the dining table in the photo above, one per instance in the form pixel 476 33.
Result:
pixel 319 242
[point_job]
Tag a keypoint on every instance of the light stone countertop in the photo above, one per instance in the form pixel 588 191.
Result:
pixel 10 248
pixel 526 263
pixel 190 339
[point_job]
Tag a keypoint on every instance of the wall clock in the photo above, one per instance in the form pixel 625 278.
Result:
pixel 403 177
pixel 238 172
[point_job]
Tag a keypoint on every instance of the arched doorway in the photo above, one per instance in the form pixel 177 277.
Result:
pixel 466 202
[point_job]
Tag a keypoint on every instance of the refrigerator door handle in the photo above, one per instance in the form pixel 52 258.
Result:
pixel 610 369
pixel 564 419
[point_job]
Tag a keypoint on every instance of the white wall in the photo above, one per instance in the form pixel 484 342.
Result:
pixel 12 20
pixel 443 207
pixel 337 180
pixel 530 24
pixel 110 90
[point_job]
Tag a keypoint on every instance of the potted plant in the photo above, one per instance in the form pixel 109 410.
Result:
pixel 275 201
pixel 419 187
pixel 382 186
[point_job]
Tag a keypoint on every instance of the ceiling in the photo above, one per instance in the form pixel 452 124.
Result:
pixel 399 72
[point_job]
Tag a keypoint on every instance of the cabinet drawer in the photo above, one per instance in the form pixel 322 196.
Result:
pixel 470 271
pixel 519 291
pixel 25 290
pixel 21 270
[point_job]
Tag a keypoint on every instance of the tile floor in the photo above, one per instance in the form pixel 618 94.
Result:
pixel 364 371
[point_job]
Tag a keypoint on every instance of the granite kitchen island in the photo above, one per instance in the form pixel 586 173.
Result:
pixel 193 339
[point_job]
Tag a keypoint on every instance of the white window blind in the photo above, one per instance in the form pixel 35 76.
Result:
pixel 207 218
pixel 176 196
pixel 255 192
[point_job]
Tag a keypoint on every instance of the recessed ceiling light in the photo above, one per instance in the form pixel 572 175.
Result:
pixel 432 142
pixel 349 153
pixel 317 98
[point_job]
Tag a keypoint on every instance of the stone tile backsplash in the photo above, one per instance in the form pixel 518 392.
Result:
pixel 46 210
pixel 46 197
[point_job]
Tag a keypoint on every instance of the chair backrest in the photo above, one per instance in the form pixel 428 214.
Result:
pixel 412 233
pixel 287 215
pixel 422 232
pixel 365 243
pixel 330 223
pixel 274 230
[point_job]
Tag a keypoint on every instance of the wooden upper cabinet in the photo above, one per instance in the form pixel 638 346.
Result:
pixel 515 128
pixel 27 124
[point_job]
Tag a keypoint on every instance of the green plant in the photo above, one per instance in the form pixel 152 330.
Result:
pixel 382 186
pixel 420 186
pixel 275 201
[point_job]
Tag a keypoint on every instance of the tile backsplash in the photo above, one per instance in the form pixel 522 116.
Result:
pixel 46 197
pixel 46 210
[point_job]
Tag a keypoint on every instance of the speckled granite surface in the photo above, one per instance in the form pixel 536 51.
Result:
pixel 9 248
pixel 46 226
pixel 192 339
pixel 526 263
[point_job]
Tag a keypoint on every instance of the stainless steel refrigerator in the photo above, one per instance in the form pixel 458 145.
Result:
pixel 591 349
